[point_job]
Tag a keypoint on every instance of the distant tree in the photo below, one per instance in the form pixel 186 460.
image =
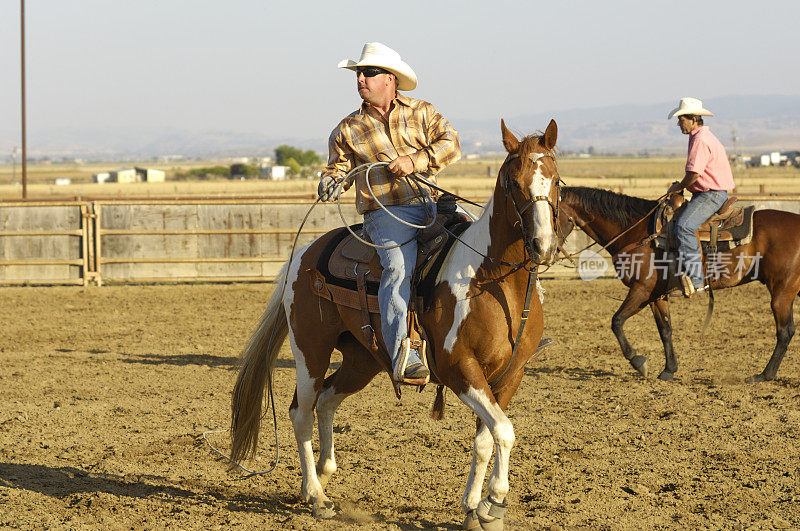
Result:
pixel 310 158
pixel 284 153
pixel 208 172
pixel 304 158
pixel 294 167
pixel 244 170
pixel 591 151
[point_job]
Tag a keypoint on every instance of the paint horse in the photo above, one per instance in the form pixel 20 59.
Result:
pixel 772 257
pixel 476 312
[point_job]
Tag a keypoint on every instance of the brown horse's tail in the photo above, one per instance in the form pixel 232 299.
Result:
pixel 256 373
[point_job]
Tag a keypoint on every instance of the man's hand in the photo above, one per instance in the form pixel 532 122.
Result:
pixel 401 166
pixel 327 188
pixel 675 188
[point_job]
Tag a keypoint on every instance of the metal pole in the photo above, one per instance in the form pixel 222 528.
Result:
pixel 14 164
pixel 24 140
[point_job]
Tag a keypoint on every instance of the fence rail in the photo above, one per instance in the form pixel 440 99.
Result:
pixel 82 242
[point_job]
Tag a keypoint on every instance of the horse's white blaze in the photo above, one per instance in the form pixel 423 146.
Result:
pixel 460 267
pixel 542 214
pixel 502 432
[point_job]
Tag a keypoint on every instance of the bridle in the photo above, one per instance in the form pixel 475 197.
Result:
pixel 533 273
pixel 520 210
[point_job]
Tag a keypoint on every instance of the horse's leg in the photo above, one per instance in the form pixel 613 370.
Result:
pixel 311 365
pixel 782 303
pixel 357 370
pixel 661 313
pixel 490 511
pixel 632 304
pixel 482 452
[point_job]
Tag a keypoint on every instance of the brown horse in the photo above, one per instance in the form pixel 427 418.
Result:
pixel 475 315
pixel 772 257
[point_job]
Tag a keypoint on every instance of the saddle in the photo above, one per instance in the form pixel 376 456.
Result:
pixel 726 229
pixel 730 227
pixel 348 273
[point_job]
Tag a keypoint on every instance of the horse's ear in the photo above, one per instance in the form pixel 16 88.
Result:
pixel 550 136
pixel 509 140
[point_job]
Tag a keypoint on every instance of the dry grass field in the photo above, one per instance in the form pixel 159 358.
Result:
pixel 646 177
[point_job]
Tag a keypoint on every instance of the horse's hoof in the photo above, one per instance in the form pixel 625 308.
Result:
pixel 640 364
pixel 471 521
pixel 758 378
pixel 490 514
pixel 323 509
pixel 666 376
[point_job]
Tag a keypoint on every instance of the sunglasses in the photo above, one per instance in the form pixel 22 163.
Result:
pixel 370 71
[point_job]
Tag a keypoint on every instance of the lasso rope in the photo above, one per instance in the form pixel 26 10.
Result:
pixel 338 191
pixel 427 201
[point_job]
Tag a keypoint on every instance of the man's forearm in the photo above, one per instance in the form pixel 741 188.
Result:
pixel 689 179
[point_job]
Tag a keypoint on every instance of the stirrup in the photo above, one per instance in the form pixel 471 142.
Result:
pixel 402 361
pixel 688 287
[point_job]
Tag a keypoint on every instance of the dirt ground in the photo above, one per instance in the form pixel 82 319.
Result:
pixel 105 393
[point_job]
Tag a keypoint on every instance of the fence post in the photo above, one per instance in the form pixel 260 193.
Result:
pixel 85 224
pixel 98 279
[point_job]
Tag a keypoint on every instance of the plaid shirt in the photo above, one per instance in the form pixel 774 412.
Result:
pixel 414 128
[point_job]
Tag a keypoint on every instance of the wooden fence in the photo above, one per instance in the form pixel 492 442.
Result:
pixel 150 240
pixel 85 242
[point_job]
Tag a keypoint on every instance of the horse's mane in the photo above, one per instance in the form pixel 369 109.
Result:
pixel 622 209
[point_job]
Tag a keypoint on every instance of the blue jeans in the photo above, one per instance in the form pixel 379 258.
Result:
pixel 398 266
pixel 702 206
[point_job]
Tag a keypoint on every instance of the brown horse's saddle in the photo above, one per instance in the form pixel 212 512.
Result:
pixel 731 226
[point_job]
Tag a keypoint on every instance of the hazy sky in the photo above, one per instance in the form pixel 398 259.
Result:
pixel 270 66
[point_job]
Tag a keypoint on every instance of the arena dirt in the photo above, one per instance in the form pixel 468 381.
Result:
pixel 105 392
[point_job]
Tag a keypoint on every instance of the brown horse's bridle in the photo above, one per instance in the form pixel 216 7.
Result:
pixel 519 211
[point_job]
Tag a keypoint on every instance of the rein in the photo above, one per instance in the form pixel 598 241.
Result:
pixel 532 278
pixel 581 224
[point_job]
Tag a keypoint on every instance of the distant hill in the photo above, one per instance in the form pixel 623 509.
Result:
pixel 762 123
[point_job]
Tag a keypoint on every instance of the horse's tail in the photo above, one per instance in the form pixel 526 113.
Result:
pixel 437 411
pixel 256 372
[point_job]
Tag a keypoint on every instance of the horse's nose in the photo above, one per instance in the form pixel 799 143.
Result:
pixel 543 250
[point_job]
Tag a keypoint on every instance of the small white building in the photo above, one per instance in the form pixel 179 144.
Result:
pixel 275 173
pixel 103 177
pixel 126 175
pixel 148 175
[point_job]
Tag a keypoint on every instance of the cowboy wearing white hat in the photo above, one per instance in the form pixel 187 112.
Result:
pixel 411 136
pixel 708 177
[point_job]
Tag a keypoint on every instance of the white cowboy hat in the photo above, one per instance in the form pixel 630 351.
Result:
pixel 689 106
pixel 377 54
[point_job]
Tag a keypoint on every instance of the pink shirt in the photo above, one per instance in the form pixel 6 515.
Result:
pixel 707 158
